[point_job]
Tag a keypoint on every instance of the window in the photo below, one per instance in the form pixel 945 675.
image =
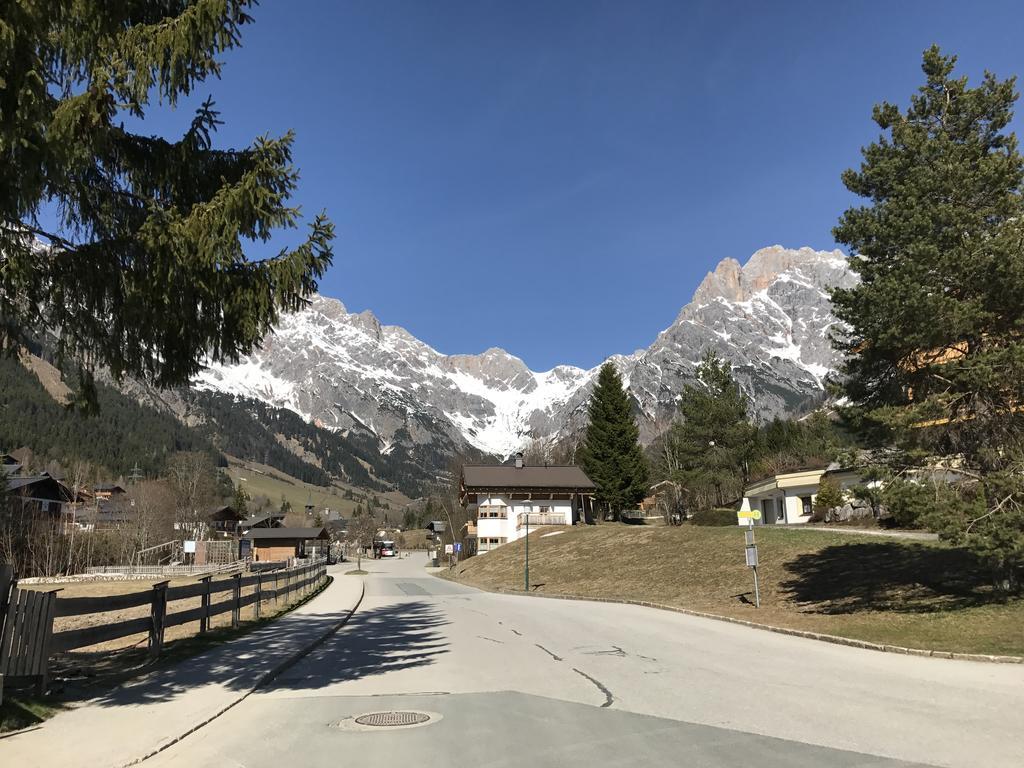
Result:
pixel 491 512
pixel 545 510
pixel 805 505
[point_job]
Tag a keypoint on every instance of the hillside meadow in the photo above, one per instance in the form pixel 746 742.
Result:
pixel 917 594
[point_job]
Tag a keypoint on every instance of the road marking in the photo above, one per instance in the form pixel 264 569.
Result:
pixel 608 698
pixel 549 653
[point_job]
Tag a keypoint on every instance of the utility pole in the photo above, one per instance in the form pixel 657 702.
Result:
pixel 136 474
pixel 526 588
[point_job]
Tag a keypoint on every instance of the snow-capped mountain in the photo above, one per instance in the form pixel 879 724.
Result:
pixel 770 318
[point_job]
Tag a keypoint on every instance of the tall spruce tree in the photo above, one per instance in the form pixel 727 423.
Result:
pixel 936 342
pixel 712 442
pixel 129 247
pixel 611 454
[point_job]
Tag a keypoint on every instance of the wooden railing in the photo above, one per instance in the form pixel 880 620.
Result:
pixel 271 585
pixel 541 518
pixel 165 570
pixel 27 639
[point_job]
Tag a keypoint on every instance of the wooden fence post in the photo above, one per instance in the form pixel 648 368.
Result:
pixel 46 630
pixel 237 595
pixel 204 620
pixel 275 590
pixel 259 593
pixel 6 579
pixel 157 614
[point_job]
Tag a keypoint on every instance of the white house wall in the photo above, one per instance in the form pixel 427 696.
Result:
pixel 792 506
pixel 506 528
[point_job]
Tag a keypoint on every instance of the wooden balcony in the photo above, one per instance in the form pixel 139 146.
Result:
pixel 540 518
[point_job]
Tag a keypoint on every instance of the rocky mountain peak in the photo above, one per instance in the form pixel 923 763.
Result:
pixel 770 318
pixel 726 281
pixel 734 283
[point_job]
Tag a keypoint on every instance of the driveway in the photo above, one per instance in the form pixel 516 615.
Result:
pixel 510 680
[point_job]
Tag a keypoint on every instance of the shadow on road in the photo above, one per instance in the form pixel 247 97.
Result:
pixel 912 578
pixel 388 638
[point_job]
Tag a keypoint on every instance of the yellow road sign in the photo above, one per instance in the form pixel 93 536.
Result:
pixel 751 514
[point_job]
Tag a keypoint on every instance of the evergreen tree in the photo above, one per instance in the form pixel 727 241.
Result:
pixel 144 271
pixel 830 496
pixel 241 500
pixel 712 442
pixel 611 454
pixel 936 343
pixel 286 506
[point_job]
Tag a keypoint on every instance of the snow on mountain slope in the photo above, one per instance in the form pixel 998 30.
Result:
pixel 770 318
pixel 347 371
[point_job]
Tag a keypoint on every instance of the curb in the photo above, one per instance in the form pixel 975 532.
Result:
pixel 834 639
pixel 266 678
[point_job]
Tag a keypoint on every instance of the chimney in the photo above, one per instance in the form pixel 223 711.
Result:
pixel 519 460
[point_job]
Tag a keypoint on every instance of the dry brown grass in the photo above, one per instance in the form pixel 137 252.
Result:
pixel 79 674
pixel 120 587
pixel 908 593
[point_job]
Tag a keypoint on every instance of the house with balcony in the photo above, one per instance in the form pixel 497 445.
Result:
pixel 506 500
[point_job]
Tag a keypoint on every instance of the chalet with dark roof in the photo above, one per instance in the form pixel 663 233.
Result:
pixel 507 499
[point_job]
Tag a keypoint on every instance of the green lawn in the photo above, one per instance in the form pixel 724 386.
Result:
pixel 900 592
pixel 21 712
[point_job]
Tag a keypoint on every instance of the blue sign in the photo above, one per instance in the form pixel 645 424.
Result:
pixel 458 546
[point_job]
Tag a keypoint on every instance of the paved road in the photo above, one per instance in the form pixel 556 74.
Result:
pixel 520 681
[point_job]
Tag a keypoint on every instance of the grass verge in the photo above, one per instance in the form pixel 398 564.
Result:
pixel 19 712
pixel 893 591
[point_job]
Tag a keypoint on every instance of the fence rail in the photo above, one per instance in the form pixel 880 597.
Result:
pixel 26 619
pixel 165 570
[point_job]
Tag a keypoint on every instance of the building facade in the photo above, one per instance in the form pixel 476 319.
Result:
pixel 505 501
pixel 788 498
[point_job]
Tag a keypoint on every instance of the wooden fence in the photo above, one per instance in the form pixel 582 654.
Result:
pixel 26 622
pixel 38 644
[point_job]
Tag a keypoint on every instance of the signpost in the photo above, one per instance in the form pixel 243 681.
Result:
pixel 751 548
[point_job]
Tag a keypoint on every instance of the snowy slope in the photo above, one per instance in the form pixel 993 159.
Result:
pixel 770 318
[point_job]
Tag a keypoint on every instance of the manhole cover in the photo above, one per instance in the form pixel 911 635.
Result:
pixel 393 718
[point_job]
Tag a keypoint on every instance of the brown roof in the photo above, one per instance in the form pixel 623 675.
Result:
pixel 287 533
pixel 492 478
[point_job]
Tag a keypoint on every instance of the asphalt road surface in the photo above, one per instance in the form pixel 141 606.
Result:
pixel 519 681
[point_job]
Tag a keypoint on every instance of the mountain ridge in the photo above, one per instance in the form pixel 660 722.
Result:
pixel 770 317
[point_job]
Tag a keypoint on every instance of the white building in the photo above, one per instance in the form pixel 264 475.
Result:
pixel 506 500
pixel 783 499
pixel 788 498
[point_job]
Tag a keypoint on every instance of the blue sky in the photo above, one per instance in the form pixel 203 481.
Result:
pixel 555 178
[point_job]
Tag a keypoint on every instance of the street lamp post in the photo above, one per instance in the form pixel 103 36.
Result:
pixel 526 587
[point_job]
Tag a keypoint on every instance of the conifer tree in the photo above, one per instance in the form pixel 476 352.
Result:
pixel 241 500
pixel 128 246
pixel 611 454
pixel 712 441
pixel 936 334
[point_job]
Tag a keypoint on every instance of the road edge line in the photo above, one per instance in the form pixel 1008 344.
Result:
pixel 265 679
pixel 807 634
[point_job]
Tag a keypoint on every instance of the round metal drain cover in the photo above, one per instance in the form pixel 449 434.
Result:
pixel 390 719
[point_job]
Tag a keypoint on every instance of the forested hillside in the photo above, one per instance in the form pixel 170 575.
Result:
pixel 120 435
pixel 124 432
